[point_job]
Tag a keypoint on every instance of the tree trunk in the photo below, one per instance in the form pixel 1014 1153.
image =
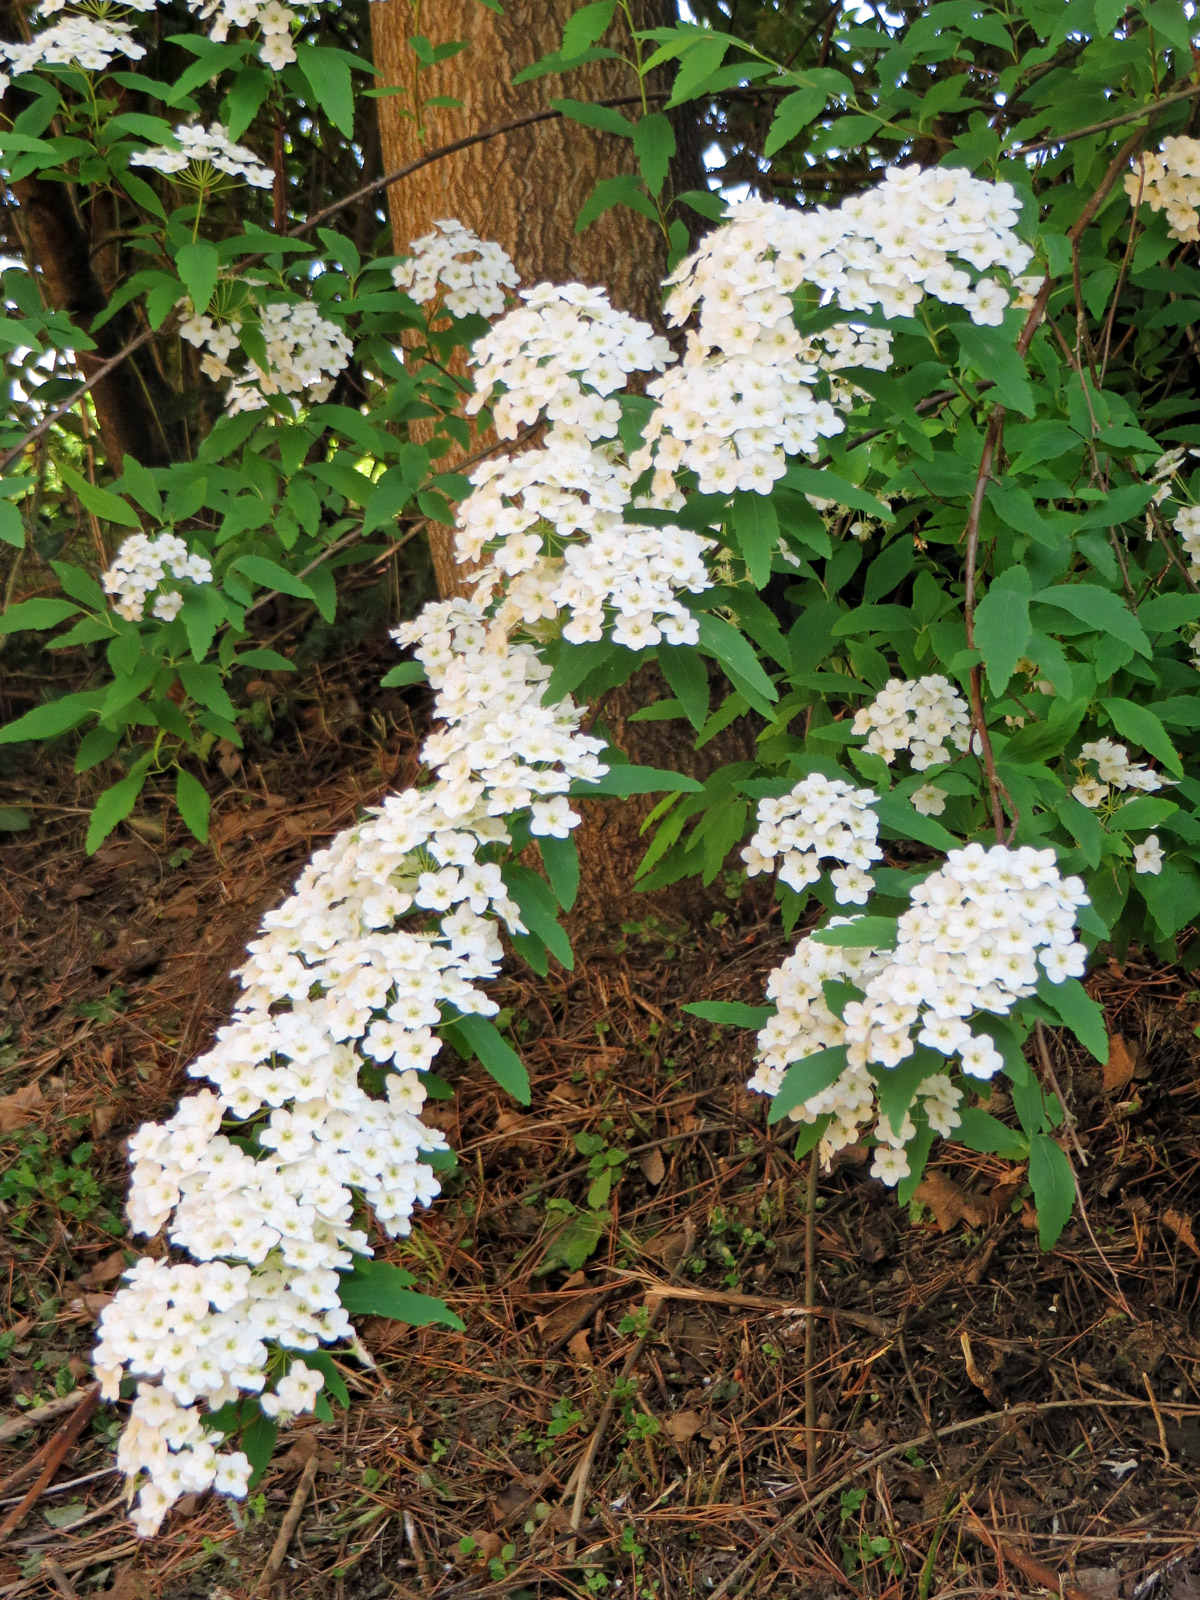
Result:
pixel 524 190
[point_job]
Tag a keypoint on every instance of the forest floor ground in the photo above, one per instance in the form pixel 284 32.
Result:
pixel 984 1419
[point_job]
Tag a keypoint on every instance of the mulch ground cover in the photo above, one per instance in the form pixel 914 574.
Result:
pixel 674 1389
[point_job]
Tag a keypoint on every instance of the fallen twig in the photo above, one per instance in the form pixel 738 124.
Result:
pixel 12 1426
pixel 289 1525
pixel 52 1455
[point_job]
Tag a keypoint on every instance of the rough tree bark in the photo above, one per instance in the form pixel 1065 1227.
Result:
pixel 525 190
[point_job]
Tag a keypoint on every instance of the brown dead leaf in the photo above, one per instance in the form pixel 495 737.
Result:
pixel 1183 1229
pixel 129 1586
pixel 654 1168
pixel 487 1544
pixel 104 1116
pixel 184 908
pixel 104 1272
pixel 86 1307
pixel 509 1502
pixel 684 1425
pixel 950 1204
pixel 1121 1064
pixel 18 1109
pixel 579 1350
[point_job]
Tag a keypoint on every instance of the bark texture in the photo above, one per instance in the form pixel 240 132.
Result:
pixel 526 188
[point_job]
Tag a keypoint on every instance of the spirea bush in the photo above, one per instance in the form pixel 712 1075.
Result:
pixel 903 483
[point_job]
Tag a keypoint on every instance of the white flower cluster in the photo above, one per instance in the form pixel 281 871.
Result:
pixel 1170 182
pixel 973 940
pixel 556 521
pixel 261 1181
pixel 305 353
pixel 77 41
pixel 141 564
pixel 744 397
pixel 208 148
pixel 805 1023
pixel 919 716
pixel 1187 526
pixel 1114 770
pixel 275 23
pixel 820 819
pixel 470 274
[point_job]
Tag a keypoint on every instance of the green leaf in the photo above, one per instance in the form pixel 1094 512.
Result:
pixel 204 685
pixel 1163 613
pixel 191 798
pixel 13 819
pixel 1141 725
pixel 896 1087
pixel 561 861
pixel 58 716
pixel 329 76
pixel 378 1289
pixel 982 1132
pixel 265 661
pixel 1002 626
pixel 901 818
pixel 685 672
pixel 793 113
pixel 1100 609
pixel 36 615
pixel 1076 1009
pixel 1053 1183
pixel 202 612
pixel 586 27
pixel 625 779
pixel 755 524
pixel 258 1441
pixel 570 1249
pixel 407 672
pixel 113 806
pixel 724 642
pixel 107 506
pixel 863 933
pixel 268 573
pixel 12 528
pixel 493 1051
pixel 603 118
pixel 539 912
pixel 804 1079
pixel 654 146
pixel 734 1012
pixel 992 353
pixel 623 190
pixel 199 267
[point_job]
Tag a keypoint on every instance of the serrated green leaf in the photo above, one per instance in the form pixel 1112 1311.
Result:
pixel 1076 1009
pixel 199 267
pixel 35 616
pixel 1002 626
pixel 1053 1183
pixel 192 802
pixel 113 806
pixel 733 1012
pixel 1141 725
pixel 328 74
pixel 654 146
pixel 560 857
pixel 804 1079
pixel 494 1053
pixel 378 1289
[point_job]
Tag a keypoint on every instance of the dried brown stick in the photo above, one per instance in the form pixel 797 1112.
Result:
pixel 1036 1571
pixel 758 1302
pixel 52 1455
pixel 61 1582
pixel 289 1525
pixel 12 1426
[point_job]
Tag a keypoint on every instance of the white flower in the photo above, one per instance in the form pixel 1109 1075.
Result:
pixel 199 151
pixel 929 800
pixel 1148 856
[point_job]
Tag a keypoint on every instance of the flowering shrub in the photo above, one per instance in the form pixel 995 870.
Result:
pixel 973 691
